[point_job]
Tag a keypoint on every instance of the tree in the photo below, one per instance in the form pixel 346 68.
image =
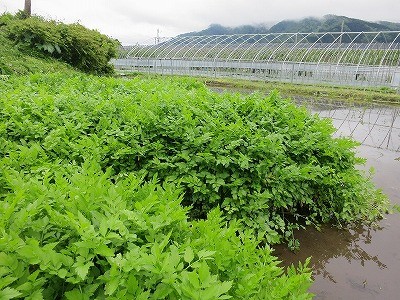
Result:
pixel 27 9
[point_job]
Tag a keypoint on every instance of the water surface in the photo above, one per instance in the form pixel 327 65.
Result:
pixel 363 262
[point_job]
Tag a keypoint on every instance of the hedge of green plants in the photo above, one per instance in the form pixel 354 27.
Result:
pixel 162 189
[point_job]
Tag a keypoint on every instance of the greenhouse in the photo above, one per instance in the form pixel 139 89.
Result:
pixel 339 58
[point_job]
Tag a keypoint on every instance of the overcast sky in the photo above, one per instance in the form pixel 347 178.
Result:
pixel 137 21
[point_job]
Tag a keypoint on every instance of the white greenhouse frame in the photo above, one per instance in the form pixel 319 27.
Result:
pixel 338 58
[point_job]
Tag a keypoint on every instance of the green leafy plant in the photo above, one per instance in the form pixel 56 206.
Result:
pixel 79 233
pixel 162 189
pixel 261 160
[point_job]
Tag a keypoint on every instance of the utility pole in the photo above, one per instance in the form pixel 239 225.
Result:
pixel 28 8
pixel 158 36
pixel 341 32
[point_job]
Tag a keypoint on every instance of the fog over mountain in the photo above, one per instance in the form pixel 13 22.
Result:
pixel 328 23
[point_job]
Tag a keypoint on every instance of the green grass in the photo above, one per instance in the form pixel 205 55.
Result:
pixel 382 95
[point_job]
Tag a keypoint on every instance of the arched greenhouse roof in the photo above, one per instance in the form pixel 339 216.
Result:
pixel 354 48
pixel 338 58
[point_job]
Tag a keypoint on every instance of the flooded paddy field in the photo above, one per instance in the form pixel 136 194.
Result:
pixel 371 124
pixel 362 262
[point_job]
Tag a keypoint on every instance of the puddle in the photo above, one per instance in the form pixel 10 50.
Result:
pixel 362 263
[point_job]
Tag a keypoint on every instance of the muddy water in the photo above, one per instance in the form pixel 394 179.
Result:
pixel 361 263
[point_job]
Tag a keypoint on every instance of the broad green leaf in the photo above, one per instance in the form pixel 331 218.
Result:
pixel 112 285
pixel 104 250
pixel 206 254
pixel 162 291
pixel 194 280
pixel 188 255
pixel 76 294
pixel 9 293
pixel 36 295
pixel 204 273
pixel 83 269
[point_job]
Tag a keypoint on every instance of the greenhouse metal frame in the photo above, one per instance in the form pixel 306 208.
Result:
pixel 338 58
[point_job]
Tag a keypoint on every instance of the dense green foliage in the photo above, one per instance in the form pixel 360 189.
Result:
pixel 84 49
pixel 74 233
pixel 261 160
pixel 76 223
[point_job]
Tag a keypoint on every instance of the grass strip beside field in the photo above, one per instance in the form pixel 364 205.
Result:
pixel 377 95
pixel 383 95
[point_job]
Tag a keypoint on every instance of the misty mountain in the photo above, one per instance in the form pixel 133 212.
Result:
pixel 332 23
pixel 217 29
pixel 328 23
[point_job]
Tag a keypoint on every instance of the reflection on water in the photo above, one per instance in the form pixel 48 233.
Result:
pixel 331 243
pixel 371 124
pixel 331 250
pixel 361 262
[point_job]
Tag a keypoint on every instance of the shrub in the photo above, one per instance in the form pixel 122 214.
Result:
pixel 262 160
pixel 85 49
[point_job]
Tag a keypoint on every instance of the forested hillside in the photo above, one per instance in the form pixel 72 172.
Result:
pixel 328 23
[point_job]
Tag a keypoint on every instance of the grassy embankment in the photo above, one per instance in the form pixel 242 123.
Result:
pixel 15 62
pixel 377 95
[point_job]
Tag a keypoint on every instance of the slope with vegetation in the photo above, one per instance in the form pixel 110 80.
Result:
pixel 14 61
pixel 84 49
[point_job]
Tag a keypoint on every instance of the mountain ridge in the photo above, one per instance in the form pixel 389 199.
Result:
pixel 328 23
